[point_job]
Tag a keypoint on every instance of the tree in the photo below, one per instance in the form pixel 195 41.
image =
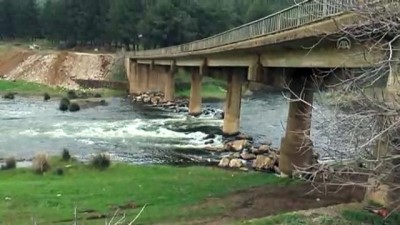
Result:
pixel 7 28
pixel 369 122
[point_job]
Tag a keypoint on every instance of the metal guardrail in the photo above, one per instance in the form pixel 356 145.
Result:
pixel 302 13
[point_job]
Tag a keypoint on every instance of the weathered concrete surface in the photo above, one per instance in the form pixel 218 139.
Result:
pixel 296 146
pixel 195 93
pixel 169 86
pixel 233 103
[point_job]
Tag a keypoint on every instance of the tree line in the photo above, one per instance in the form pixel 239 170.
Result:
pixel 138 23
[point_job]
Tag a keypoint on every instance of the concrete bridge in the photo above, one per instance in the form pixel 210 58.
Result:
pixel 282 49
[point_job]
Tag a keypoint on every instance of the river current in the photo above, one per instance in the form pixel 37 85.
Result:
pixel 132 133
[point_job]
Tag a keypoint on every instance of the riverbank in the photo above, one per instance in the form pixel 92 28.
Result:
pixel 168 192
pixel 165 195
pixel 25 88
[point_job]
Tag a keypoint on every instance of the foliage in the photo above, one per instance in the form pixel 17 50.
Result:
pixel 65 156
pixel 139 23
pixel 101 161
pixel 168 191
pixel 10 163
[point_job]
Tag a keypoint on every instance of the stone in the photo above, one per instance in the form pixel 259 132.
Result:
pixel 239 145
pixel 263 149
pixel 263 163
pixel 9 96
pixel 248 156
pixel 224 162
pixel 235 163
pixel 378 193
pixel 146 99
pixel 235 155
pixel 244 137
pixel 64 104
pixel 215 149
pixel 155 100
pixel 97 95
pixel 46 97
pixel 74 107
pixel 209 142
pixel 210 136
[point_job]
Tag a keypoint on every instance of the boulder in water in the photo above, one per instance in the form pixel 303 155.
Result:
pixel 74 107
pixel 64 104
pixel 9 96
pixel 46 96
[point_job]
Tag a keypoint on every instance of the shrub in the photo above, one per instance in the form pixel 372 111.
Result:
pixel 65 156
pixel 72 94
pixel 46 96
pixel 40 163
pixel 10 163
pixel 9 96
pixel 101 161
pixel 97 95
pixel 64 104
pixel 74 107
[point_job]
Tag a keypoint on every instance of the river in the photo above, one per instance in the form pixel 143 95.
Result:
pixel 131 133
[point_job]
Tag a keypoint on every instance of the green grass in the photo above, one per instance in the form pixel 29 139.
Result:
pixel 211 88
pixel 168 191
pixel 30 88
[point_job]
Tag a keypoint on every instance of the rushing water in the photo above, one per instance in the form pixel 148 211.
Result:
pixel 133 133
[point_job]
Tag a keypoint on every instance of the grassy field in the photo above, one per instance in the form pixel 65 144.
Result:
pixel 168 191
pixel 29 88
pixel 211 88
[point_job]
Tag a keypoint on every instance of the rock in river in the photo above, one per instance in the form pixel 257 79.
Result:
pixel 224 162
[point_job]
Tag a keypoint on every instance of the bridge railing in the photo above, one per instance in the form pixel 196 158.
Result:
pixel 305 12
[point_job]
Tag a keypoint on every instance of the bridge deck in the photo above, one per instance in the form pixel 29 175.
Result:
pixel 305 19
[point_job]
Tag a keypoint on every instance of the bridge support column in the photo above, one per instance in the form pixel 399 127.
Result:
pixel 133 76
pixel 169 84
pixel 195 93
pixel 296 146
pixel 233 103
pixel 143 78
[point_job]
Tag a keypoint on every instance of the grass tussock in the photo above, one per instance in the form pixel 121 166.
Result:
pixel 101 161
pixel 40 163
pixel 65 155
pixel 10 163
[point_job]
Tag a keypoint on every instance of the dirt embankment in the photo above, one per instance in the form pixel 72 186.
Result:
pixel 58 68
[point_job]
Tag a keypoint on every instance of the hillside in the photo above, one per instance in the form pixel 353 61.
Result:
pixel 54 68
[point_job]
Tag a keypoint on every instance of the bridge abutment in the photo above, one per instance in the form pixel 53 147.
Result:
pixel 296 146
pixel 195 92
pixel 233 103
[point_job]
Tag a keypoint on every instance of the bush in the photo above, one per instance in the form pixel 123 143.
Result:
pixel 101 161
pixel 10 164
pixel 72 95
pixel 64 104
pixel 40 163
pixel 46 96
pixel 9 96
pixel 97 95
pixel 74 107
pixel 65 156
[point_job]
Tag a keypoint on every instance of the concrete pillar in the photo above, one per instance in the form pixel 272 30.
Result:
pixel 132 76
pixel 169 84
pixel 296 146
pixel 143 78
pixel 233 104
pixel 195 93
